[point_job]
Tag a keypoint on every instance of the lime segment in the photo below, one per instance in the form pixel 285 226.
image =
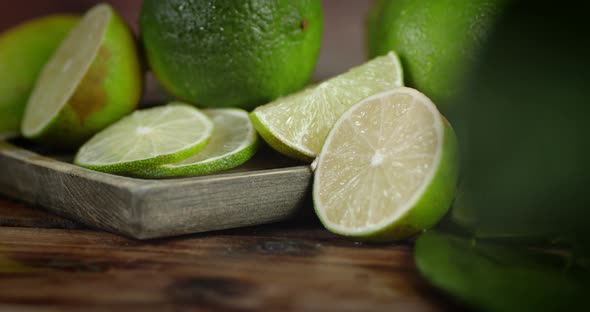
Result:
pixel 234 142
pixel 147 138
pixel 297 125
pixel 388 168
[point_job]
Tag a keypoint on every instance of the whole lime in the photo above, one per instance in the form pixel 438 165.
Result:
pixel 221 53
pixel 437 40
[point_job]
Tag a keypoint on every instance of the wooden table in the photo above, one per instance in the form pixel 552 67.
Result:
pixel 48 263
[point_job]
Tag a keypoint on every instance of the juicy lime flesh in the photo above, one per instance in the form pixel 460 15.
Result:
pixel 24 50
pixel 232 53
pixel 65 70
pixel 233 133
pixel 302 121
pixel 147 134
pixel 377 161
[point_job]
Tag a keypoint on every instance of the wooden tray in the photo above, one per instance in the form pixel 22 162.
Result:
pixel 266 189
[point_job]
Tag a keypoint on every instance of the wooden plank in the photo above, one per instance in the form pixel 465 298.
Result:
pixel 20 215
pixel 263 191
pixel 283 267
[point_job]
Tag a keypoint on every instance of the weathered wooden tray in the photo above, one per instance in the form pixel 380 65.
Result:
pixel 262 191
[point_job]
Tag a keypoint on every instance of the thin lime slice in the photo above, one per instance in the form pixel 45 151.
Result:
pixel 388 169
pixel 147 138
pixel 92 80
pixel 234 142
pixel 297 125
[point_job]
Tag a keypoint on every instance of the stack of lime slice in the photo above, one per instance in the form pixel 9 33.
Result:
pixel 172 140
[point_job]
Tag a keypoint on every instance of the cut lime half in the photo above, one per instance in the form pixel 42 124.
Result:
pixel 24 50
pixel 388 169
pixel 297 125
pixel 147 138
pixel 92 80
pixel 234 142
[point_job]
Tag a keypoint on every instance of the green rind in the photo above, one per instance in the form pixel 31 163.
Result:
pixel 24 50
pixel 276 143
pixel 115 77
pixel 430 208
pixel 232 53
pixel 202 168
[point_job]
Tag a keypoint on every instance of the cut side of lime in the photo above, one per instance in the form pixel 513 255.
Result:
pixel 388 169
pixel 297 125
pixel 147 138
pixel 24 50
pixel 234 142
pixel 92 80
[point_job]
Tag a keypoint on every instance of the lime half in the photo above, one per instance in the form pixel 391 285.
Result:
pixel 91 81
pixel 388 169
pixel 297 125
pixel 24 50
pixel 147 138
pixel 234 142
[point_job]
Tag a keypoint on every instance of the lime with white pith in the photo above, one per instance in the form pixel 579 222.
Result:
pixel 234 141
pixel 92 80
pixel 388 169
pixel 297 125
pixel 147 138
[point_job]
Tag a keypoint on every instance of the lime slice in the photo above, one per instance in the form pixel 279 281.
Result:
pixel 91 81
pixel 24 50
pixel 234 142
pixel 147 138
pixel 297 125
pixel 388 169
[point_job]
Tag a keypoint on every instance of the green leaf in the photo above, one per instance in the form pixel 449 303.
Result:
pixel 501 277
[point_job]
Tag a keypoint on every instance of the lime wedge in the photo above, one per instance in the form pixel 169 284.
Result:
pixel 297 125
pixel 234 142
pixel 147 138
pixel 388 169
pixel 24 50
pixel 91 81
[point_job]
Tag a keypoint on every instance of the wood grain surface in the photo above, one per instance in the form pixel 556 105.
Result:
pixel 51 264
pixel 268 188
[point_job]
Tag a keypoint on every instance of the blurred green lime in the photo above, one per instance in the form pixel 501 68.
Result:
pixel 436 40
pixel 221 53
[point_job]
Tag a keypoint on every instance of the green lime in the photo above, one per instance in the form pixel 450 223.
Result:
pixel 222 53
pixel 91 81
pixel 234 141
pixel 297 125
pixel 388 169
pixel 147 138
pixel 24 50
pixel 436 40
